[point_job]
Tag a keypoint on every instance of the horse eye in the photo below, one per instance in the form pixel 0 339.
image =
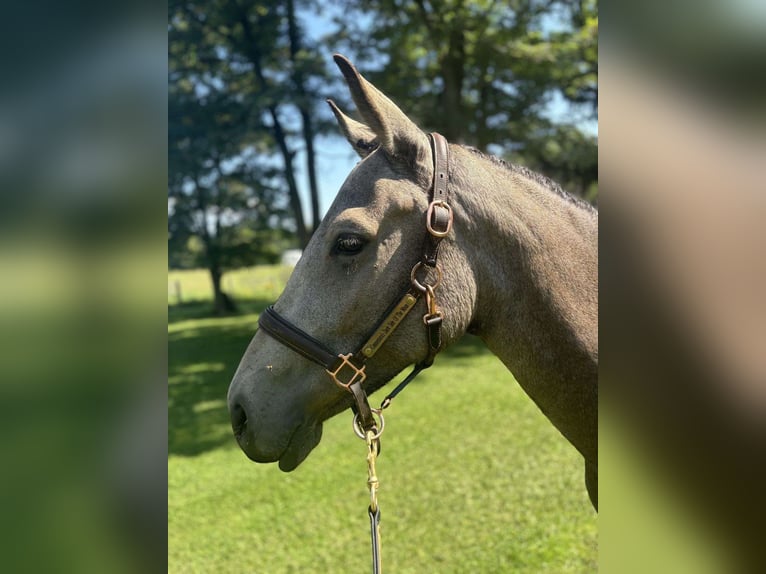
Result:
pixel 347 244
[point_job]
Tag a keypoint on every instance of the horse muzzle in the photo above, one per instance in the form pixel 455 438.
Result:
pixel 272 439
pixel 245 436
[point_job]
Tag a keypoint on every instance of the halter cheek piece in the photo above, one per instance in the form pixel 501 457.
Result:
pixel 348 370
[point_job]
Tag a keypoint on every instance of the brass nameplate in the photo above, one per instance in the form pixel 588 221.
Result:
pixel 389 325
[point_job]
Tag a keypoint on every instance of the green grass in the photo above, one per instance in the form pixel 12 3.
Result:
pixel 473 477
pixel 253 282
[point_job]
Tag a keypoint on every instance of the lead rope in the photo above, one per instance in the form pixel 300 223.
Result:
pixel 438 224
pixel 372 438
pixel 365 426
pixel 373 450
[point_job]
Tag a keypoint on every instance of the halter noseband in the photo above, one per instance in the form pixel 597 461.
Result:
pixel 348 370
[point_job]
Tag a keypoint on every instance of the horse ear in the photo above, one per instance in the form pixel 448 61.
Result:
pixel 361 138
pixel 398 136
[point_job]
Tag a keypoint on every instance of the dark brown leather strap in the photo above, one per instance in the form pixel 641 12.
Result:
pixel 361 406
pixel 297 339
pixel 439 213
pixel 441 167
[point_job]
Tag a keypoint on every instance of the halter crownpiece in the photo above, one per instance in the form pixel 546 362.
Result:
pixel 347 370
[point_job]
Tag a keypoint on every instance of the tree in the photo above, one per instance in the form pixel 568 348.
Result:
pixel 258 50
pixel 219 191
pixel 243 85
pixel 484 72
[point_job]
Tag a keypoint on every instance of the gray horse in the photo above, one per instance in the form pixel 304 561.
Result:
pixel 520 270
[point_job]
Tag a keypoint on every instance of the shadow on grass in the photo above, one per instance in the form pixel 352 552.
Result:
pixel 204 309
pixel 202 359
pixel 466 348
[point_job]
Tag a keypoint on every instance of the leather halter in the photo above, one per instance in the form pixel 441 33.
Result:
pixel 348 370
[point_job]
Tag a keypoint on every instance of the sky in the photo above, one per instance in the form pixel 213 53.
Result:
pixel 335 159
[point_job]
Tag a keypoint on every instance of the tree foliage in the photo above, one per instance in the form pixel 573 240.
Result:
pixel 243 85
pixel 485 72
pixel 224 207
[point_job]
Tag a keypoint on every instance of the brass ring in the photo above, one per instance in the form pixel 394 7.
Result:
pixel 417 284
pixel 359 431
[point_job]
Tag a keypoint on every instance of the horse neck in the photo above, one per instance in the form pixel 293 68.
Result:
pixel 534 257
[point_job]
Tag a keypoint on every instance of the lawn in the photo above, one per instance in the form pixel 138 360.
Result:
pixel 473 477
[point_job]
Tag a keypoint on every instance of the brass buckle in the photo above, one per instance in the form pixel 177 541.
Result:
pixel 358 376
pixel 429 215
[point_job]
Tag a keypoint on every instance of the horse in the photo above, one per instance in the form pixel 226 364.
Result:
pixel 518 267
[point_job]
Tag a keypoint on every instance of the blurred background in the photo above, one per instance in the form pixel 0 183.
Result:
pixel 106 108
pixel 82 262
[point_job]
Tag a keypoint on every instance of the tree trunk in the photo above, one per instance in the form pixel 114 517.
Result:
pixel 308 136
pixel 481 137
pixel 304 106
pixel 222 303
pixel 295 200
pixel 453 74
pixel 252 50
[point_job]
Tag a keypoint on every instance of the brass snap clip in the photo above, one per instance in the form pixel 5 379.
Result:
pixel 433 309
pixel 373 483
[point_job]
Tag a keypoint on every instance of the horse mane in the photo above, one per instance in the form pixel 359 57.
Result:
pixel 544 181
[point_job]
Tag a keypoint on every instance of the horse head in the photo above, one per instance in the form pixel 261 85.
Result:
pixel 356 265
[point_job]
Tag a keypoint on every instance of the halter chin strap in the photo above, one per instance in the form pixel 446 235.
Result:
pixel 348 370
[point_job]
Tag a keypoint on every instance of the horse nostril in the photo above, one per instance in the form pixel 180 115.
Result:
pixel 238 420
